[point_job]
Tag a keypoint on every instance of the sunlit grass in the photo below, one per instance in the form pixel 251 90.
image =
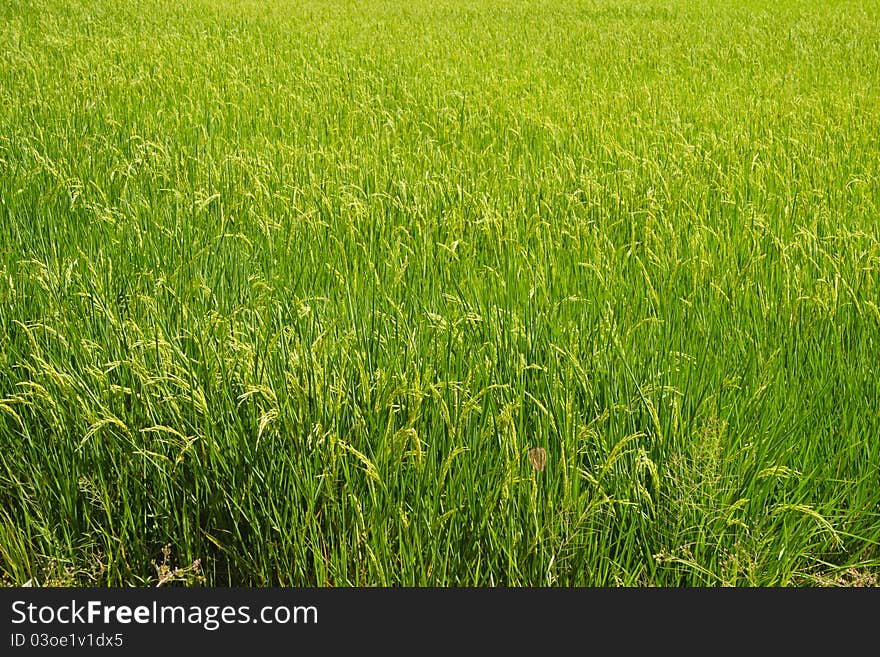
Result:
pixel 297 287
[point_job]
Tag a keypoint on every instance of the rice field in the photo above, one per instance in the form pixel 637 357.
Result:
pixel 440 293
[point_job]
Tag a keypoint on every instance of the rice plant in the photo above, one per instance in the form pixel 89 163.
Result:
pixel 435 292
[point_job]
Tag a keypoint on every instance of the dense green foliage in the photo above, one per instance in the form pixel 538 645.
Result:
pixel 294 287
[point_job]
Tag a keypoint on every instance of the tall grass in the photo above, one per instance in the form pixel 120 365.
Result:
pixel 295 287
